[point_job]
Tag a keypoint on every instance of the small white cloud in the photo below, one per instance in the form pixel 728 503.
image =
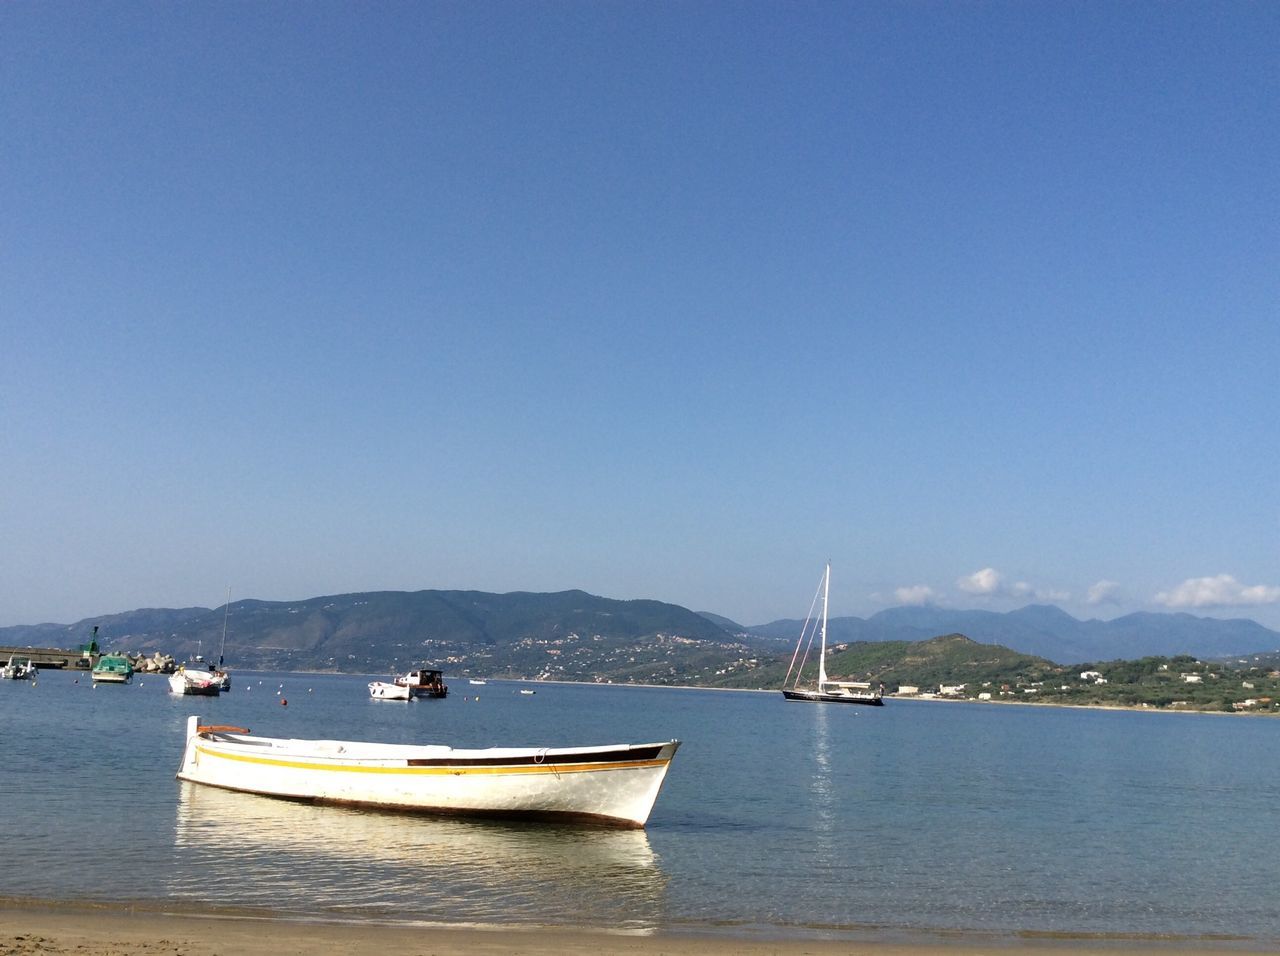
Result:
pixel 1221 591
pixel 1104 592
pixel 990 583
pixel 985 582
pixel 915 595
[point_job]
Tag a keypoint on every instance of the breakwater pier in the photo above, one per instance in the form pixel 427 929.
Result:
pixel 52 657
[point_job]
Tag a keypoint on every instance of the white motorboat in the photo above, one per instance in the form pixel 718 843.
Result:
pixel 385 690
pixel 615 784
pixel 197 678
pixel 19 668
pixel 113 669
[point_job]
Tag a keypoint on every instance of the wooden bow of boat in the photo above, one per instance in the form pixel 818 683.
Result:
pixel 615 784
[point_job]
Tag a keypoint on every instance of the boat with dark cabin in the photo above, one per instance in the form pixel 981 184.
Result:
pixel 424 682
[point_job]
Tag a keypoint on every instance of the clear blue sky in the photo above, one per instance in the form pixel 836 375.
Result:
pixel 980 301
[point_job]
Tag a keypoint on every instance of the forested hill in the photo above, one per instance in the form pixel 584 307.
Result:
pixel 378 631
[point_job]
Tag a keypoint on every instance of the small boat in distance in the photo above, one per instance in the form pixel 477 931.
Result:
pixel 614 785
pixel 199 678
pixel 112 669
pixel 385 690
pixel 825 691
pixel 18 668
pixel 196 678
pixel 478 682
pixel 424 682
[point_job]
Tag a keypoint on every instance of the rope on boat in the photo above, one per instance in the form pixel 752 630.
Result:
pixel 805 631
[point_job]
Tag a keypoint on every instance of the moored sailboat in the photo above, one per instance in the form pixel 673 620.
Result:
pixel 200 678
pixel 825 691
pixel 196 678
pixel 224 679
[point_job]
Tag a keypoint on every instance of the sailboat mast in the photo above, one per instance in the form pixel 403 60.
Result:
pixel 225 611
pixel 822 658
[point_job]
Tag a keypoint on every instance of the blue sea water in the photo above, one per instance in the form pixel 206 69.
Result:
pixel 783 819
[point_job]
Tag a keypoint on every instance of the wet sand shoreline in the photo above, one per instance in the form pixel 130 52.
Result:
pixel 52 928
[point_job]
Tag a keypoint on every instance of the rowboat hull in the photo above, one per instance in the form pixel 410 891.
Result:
pixel 614 785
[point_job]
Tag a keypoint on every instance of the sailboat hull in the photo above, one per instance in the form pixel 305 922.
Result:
pixel 814 697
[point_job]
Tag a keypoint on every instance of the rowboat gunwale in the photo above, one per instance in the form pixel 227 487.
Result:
pixel 620 782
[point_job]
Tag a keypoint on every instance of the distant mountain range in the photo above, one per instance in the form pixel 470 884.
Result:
pixel 1049 632
pixel 574 635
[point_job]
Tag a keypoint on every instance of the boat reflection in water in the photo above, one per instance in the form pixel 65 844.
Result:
pixel 242 850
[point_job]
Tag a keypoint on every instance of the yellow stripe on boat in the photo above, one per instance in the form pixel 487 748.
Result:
pixel 452 771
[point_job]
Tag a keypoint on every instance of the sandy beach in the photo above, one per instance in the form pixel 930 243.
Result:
pixel 29 927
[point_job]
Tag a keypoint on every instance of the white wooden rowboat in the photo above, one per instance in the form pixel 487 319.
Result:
pixel 615 784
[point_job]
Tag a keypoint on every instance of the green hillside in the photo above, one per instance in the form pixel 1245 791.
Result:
pixel 950 659
pixel 956 667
